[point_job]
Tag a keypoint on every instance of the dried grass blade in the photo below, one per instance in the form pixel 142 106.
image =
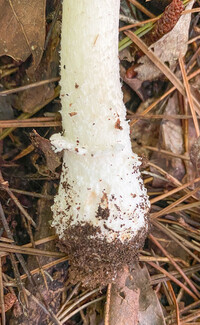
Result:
pixel 163 250
pixel 191 317
pixel 139 23
pixel 2 305
pixel 161 66
pixel 155 279
pixel 107 308
pixel 16 201
pixel 156 102
pixel 180 188
pixel 27 115
pixel 185 207
pixel 170 207
pixel 166 153
pixel 142 8
pixel 25 124
pixel 48 312
pixel 33 85
pixel 189 95
pixel 66 311
pixel 80 308
pixel 30 251
pixel 178 239
pixel 175 302
pixel 171 277
pixel 38 242
pixel 45 267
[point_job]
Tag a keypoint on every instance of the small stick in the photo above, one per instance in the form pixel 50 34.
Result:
pixel 163 196
pixel 138 23
pixel 170 276
pixel 170 207
pixel 107 308
pixel 30 251
pixel 142 8
pixel 178 239
pixel 161 66
pixel 80 308
pixel 164 251
pixel 175 302
pixel 189 95
pixel 2 305
pixel 13 197
pixel 168 153
pixel 156 102
pixel 33 85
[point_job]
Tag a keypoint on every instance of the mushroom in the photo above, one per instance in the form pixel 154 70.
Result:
pixel 101 210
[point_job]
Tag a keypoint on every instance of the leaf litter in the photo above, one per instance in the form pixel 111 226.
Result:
pixel 175 205
pixel 22 30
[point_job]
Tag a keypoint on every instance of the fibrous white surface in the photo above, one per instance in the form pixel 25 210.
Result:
pixel 100 182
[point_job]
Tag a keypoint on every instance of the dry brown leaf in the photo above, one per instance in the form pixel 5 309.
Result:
pixel 195 154
pixel 167 49
pixel 171 139
pixel 47 69
pixel 44 145
pixel 133 300
pixel 22 29
pixel 146 131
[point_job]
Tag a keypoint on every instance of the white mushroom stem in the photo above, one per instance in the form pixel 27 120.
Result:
pixel 101 201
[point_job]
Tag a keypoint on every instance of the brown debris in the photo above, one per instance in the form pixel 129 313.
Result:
pixel 73 113
pixel 44 145
pixel 118 125
pixel 9 300
pixel 94 261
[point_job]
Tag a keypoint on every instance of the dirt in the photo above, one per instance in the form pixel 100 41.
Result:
pixel 93 261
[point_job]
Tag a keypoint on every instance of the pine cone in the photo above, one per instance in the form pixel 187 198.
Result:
pixel 168 20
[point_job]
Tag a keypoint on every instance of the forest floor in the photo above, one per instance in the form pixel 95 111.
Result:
pixel 163 107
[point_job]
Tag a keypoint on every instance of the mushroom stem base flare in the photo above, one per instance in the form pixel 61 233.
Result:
pixel 94 261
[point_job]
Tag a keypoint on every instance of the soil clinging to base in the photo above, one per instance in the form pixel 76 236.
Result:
pixel 93 261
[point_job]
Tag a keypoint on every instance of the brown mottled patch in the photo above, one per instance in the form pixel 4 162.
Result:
pixel 94 261
pixel 118 125
pixel 104 198
pixel 102 213
pixel 76 85
pixel 72 113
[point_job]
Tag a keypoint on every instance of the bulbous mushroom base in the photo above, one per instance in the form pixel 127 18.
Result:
pixel 95 262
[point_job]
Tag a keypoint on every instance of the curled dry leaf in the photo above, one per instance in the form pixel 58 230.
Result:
pixel 22 29
pixel 167 49
pixel 44 145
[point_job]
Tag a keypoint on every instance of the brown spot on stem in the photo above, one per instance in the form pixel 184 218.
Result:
pixel 72 113
pixel 102 213
pixel 118 125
